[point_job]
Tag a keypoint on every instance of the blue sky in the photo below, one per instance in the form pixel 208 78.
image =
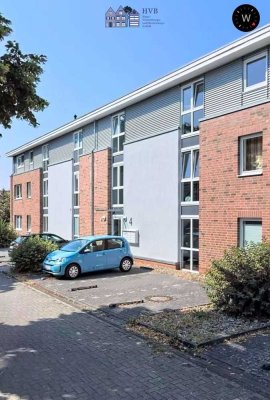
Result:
pixel 89 65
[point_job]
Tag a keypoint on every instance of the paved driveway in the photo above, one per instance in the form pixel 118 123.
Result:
pixel 158 291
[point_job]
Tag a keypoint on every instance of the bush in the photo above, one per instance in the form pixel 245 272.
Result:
pixel 30 254
pixel 239 283
pixel 7 233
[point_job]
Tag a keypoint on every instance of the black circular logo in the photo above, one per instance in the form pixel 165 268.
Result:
pixel 246 18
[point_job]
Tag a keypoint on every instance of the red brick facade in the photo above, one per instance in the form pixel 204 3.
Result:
pixel 27 206
pixel 98 166
pixel 225 197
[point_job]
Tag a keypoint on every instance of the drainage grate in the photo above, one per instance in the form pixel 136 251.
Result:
pixel 125 303
pixel 159 299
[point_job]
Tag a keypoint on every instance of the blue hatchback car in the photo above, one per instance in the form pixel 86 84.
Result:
pixel 89 253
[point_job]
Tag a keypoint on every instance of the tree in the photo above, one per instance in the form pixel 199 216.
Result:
pixel 127 9
pixel 19 75
pixel 5 205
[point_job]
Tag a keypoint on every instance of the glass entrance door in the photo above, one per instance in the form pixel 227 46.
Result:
pixel 117 225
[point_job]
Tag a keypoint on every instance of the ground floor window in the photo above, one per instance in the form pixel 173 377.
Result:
pixel 250 231
pixel 45 223
pixel 76 226
pixel 190 243
pixel 18 222
pixel 28 223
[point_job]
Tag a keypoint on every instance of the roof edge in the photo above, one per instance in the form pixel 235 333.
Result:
pixel 238 48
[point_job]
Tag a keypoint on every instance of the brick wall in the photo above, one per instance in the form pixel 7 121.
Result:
pixel 102 193
pixel 225 197
pixel 25 206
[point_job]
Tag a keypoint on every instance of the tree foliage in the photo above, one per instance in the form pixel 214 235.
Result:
pixel 5 205
pixel 19 76
pixel 7 233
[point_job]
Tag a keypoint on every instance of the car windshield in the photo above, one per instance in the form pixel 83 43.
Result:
pixel 20 239
pixel 75 245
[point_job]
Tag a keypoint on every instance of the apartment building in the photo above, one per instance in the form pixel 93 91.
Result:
pixel 179 166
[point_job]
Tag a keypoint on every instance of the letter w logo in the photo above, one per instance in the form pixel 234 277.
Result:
pixel 246 17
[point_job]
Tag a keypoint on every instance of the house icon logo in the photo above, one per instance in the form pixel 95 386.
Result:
pixel 122 18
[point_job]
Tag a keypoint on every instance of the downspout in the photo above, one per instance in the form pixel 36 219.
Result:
pixel 93 179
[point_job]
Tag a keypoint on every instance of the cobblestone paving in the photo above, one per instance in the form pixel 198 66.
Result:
pixel 49 350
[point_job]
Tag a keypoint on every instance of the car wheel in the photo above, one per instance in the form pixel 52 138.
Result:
pixel 72 271
pixel 126 265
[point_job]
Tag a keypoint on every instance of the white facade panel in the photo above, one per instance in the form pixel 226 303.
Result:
pixel 60 199
pixel 151 196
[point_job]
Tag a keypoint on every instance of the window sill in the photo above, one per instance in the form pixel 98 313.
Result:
pixel 250 174
pixel 18 229
pixel 190 203
pixel 76 207
pixel 18 198
pixel 188 135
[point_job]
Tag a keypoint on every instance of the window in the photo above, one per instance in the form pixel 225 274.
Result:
pixel 255 72
pixel 28 223
pixel 76 226
pixel 250 231
pixel 28 190
pixel 118 133
pixel 45 193
pixel 18 222
pixel 251 154
pixel 192 107
pixel 76 200
pixel 78 146
pixel 114 244
pixel 190 244
pixel 118 185
pixel 45 223
pixel 190 176
pixel 20 161
pixel 18 191
pixel 97 245
pixel 31 159
pixel 45 157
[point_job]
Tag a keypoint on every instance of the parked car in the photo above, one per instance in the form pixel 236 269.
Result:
pixel 90 253
pixel 58 240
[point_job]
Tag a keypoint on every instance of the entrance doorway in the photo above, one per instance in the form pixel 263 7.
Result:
pixel 117 225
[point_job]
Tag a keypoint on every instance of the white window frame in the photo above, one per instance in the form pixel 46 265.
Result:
pixel 18 222
pixel 118 187
pixel 118 134
pixel 45 216
pixel 18 193
pixel 191 249
pixel 31 163
pixel 78 146
pixel 242 155
pixel 19 162
pixel 76 216
pixel 192 109
pixel 45 157
pixel 250 60
pixel 28 192
pixel 241 228
pixel 28 224
pixel 45 195
pixel 191 179
pixel 76 192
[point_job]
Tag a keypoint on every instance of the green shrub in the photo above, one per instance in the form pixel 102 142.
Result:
pixel 30 254
pixel 7 234
pixel 239 283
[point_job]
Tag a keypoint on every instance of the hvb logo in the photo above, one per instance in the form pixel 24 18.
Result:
pixel 122 18
pixel 150 10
